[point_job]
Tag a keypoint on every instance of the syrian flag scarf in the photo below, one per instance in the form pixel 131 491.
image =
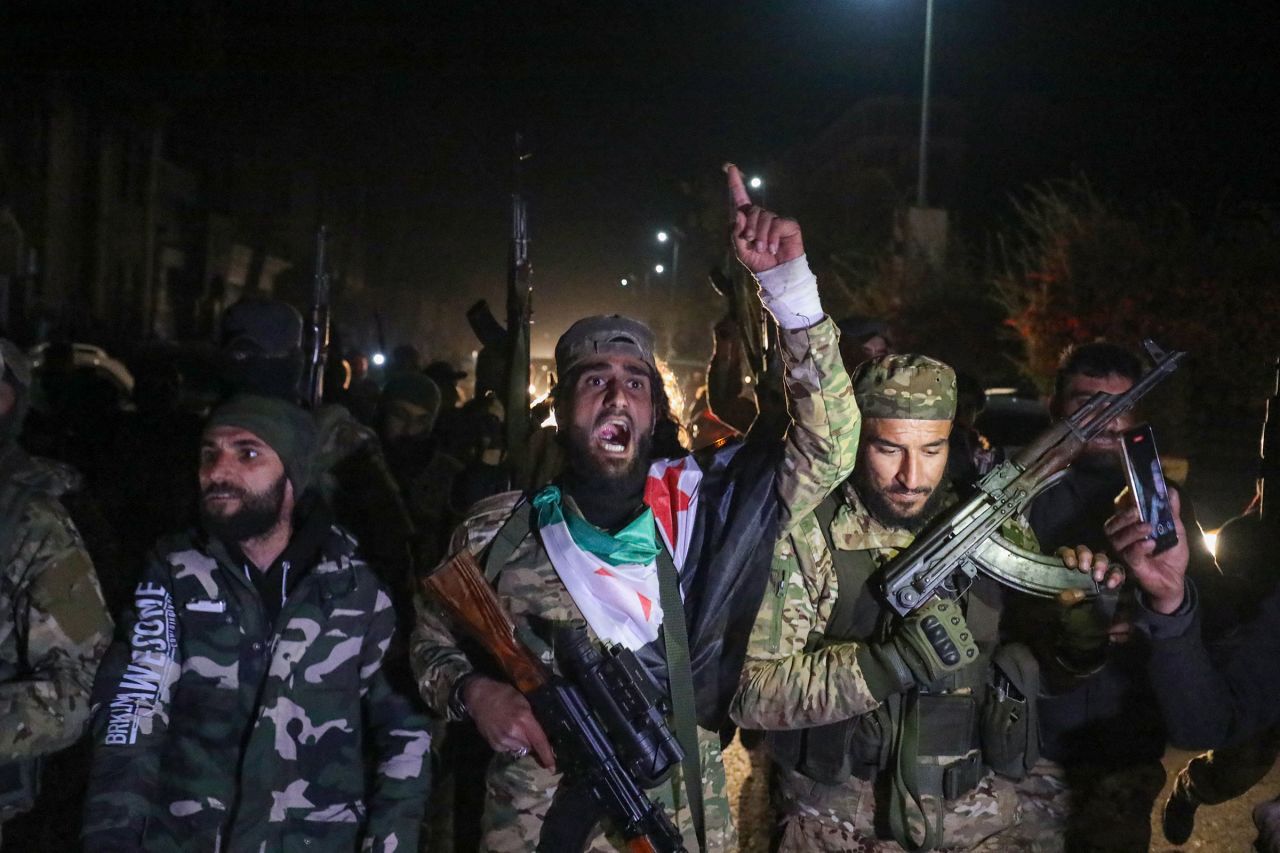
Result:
pixel 613 578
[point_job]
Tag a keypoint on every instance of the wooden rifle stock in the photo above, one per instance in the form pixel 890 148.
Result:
pixel 459 585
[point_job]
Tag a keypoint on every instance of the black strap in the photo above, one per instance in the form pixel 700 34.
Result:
pixel 856 612
pixel 675 639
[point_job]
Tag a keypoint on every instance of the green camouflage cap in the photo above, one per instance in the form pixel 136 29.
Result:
pixel 610 334
pixel 905 386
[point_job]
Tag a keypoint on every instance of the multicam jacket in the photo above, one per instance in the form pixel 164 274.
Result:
pixel 55 626
pixel 819 453
pixel 213 730
pixel 789 684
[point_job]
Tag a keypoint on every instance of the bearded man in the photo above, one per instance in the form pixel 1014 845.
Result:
pixel 643 546
pixel 885 733
pixel 245 705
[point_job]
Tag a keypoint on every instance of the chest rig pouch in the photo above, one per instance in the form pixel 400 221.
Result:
pixel 948 732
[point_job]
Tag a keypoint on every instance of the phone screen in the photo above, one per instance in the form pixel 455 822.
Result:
pixel 1146 481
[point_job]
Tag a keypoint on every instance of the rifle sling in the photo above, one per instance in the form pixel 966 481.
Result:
pixel 513 531
pixel 675 640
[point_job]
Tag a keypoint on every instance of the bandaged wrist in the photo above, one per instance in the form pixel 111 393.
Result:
pixel 790 292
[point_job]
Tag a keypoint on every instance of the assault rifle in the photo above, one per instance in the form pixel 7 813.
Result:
pixel 515 399
pixel 966 541
pixel 319 330
pixel 1269 461
pixel 608 777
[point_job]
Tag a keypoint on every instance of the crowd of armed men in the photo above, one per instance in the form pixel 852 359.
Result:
pixel 350 628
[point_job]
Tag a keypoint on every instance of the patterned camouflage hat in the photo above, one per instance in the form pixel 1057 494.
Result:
pixel 906 386
pixel 604 335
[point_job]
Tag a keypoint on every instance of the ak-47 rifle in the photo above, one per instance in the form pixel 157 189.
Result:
pixel 967 540
pixel 319 330
pixel 1269 461
pixel 519 316
pixel 625 704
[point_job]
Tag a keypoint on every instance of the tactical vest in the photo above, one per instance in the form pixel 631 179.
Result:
pixel 964 721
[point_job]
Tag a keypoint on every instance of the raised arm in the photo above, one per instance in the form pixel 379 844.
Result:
pixel 822 440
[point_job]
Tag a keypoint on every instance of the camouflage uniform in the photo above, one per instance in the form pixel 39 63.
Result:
pixel 819 453
pixel 216 731
pixel 56 626
pixel 791 681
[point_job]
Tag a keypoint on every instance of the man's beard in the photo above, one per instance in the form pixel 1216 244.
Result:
pixel 1100 460
pixel 591 468
pixel 258 512
pixel 884 511
pixel 606 494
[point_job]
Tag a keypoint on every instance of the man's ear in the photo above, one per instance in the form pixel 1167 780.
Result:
pixel 7 399
pixel 289 502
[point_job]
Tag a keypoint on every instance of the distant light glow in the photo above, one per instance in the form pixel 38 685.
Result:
pixel 659 269
pixel 379 359
pixel 625 282
pixel 663 236
pixel 1211 541
pixel 756 183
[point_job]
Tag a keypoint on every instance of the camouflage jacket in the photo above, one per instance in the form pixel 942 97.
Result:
pixel 790 683
pixel 213 730
pixel 783 686
pixel 819 453
pixel 55 626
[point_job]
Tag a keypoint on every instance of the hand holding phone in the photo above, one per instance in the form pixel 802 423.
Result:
pixel 1147 483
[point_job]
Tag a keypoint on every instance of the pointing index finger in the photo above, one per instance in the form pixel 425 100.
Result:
pixel 737 189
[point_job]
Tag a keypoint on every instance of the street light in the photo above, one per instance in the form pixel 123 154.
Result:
pixel 659 269
pixel 923 175
pixel 624 282
pixel 674 237
pixel 756 182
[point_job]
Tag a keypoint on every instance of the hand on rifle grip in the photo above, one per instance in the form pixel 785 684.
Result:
pixel 504 719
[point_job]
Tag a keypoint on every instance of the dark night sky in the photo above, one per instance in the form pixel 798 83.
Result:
pixel 620 102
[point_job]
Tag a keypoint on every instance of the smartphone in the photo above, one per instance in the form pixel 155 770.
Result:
pixel 1147 483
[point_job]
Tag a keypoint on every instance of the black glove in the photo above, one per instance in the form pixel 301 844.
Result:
pixel 931 642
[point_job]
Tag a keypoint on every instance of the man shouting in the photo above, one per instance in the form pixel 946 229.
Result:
pixel 636 541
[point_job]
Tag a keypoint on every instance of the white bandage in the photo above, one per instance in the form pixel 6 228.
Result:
pixel 790 292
